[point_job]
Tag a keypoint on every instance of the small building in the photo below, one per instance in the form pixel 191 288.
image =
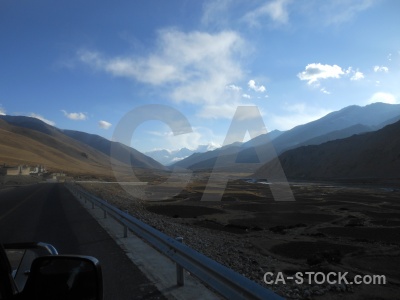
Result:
pixel 14 171
pixel 19 170
pixel 24 170
pixel 57 177
pixel 38 170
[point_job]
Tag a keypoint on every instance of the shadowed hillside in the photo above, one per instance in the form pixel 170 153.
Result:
pixel 103 145
pixel 368 155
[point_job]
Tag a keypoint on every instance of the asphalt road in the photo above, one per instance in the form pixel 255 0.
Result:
pixel 49 213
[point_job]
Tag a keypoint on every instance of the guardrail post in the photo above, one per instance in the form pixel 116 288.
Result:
pixel 223 280
pixel 105 211
pixel 125 231
pixel 180 279
pixel 125 226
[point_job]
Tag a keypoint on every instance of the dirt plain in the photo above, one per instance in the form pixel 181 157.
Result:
pixel 342 226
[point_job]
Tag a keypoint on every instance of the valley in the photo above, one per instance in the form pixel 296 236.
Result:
pixel 331 227
pixel 342 169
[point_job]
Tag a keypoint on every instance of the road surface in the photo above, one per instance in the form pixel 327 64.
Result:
pixel 49 213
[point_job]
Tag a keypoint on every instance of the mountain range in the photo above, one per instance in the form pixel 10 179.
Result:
pixel 172 157
pixel 26 140
pixel 336 125
pixel 352 142
pixel 168 157
pixel 369 155
pixel 120 151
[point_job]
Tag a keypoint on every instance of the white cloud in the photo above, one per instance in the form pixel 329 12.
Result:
pixel 194 67
pixel 33 115
pixel 91 58
pixel 104 124
pixel 213 145
pixel 383 97
pixel 357 76
pixel 215 12
pixel 276 13
pixel 76 116
pixel 247 96
pixel 316 71
pixel 381 69
pixel 323 90
pixel 199 136
pixel 275 10
pixel 234 88
pixel 179 58
pixel 252 85
pixel 338 12
pixel 2 111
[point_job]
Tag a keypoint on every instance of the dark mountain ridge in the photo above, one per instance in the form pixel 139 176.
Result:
pixel 367 155
pixel 30 123
pixel 339 124
pixel 120 151
pixel 337 134
pixel 370 115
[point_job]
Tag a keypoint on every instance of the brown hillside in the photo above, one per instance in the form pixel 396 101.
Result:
pixel 57 152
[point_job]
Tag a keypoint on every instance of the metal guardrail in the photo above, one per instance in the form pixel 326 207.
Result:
pixel 225 281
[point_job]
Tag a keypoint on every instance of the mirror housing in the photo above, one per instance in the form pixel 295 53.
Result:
pixel 21 256
pixel 64 277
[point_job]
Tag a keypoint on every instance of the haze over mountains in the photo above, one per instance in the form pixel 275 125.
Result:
pixel 352 142
pixel 168 157
pixel 340 124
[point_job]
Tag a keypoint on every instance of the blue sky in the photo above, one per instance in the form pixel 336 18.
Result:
pixel 83 65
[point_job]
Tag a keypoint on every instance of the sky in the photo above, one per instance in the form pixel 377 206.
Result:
pixel 84 65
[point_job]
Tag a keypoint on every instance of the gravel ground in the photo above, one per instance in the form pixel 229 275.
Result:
pixel 235 251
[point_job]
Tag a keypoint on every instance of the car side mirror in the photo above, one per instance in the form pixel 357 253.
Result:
pixel 64 277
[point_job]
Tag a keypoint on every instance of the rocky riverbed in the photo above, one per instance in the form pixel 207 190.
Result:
pixel 254 237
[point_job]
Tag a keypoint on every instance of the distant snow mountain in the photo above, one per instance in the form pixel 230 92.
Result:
pixel 169 157
pixel 340 124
